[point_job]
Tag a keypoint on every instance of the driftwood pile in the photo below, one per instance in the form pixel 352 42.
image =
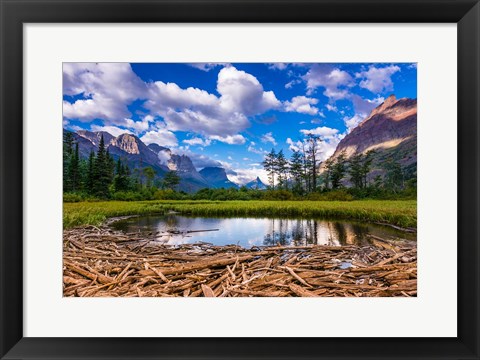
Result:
pixel 98 261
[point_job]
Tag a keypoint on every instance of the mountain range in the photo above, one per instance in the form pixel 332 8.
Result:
pixel 131 150
pixel 390 130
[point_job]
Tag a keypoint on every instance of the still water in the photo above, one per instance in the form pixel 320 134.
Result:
pixel 248 232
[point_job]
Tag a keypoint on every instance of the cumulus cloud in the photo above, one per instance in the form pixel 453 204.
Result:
pixel 137 127
pixel 335 81
pixel 162 137
pixel 242 92
pixel 377 79
pixel 230 139
pixel 331 107
pixel 244 176
pixel 302 104
pixel 253 149
pixel 292 83
pixel 322 131
pixel 207 66
pixel 268 138
pixel 362 108
pixel 197 141
pixel 277 66
pixel 191 109
pixel 352 122
pixel 107 90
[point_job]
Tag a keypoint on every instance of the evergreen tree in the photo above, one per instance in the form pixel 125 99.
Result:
pixel 121 181
pixel 281 169
pixel 74 170
pixel 327 174
pixel 171 180
pixel 102 174
pixel 356 170
pixel 394 176
pixel 313 154
pixel 269 164
pixel 367 164
pixel 90 177
pixel 338 171
pixel 150 175
pixel 296 171
pixel 67 157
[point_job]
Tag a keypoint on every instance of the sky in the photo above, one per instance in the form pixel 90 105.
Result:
pixel 230 115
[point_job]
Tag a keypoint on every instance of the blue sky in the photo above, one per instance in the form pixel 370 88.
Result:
pixel 230 114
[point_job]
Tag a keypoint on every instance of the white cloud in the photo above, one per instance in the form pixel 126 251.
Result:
pixel 377 79
pixel 107 87
pixel 352 122
pixel 242 92
pixel 268 138
pixel 191 109
pixel 162 137
pixel 113 130
pixel 244 176
pixel 331 108
pixel 278 66
pixel 197 141
pixel 230 139
pixel 136 126
pixel 290 84
pixel 335 81
pixel 365 106
pixel 252 148
pixel 294 145
pixel 302 104
pixel 322 131
pixel 207 66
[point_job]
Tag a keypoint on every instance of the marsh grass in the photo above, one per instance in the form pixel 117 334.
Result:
pixel 397 212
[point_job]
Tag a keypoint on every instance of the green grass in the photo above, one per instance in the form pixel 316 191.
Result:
pixel 397 212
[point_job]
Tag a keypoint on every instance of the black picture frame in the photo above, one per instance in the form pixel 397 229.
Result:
pixel 14 13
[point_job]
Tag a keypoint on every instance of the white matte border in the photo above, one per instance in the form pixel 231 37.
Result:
pixel 432 313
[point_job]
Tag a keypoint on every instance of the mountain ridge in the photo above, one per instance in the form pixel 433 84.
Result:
pixel 134 152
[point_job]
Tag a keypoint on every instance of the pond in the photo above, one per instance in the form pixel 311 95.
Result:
pixel 247 232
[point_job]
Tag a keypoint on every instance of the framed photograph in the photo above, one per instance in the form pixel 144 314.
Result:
pixel 237 179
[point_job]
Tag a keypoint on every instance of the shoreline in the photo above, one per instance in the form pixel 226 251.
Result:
pixel 98 261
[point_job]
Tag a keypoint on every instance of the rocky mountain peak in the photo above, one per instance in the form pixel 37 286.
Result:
pixel 94 137
pixel 390 130
pixel 128 143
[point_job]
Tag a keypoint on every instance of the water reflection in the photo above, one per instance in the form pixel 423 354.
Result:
pixel 248 232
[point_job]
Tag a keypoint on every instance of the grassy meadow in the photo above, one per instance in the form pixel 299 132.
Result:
pixel 396 212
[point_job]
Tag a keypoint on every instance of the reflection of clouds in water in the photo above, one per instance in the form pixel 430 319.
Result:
pixel 248 232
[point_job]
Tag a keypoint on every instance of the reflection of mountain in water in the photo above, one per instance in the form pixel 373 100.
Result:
pixel 247 232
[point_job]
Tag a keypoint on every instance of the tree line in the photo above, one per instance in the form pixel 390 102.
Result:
pixel 301 173
pixel 100 176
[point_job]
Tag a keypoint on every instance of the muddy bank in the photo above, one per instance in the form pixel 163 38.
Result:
pixel 98 261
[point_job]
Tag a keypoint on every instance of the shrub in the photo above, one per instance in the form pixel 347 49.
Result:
pixel 72 197
pixel 277 195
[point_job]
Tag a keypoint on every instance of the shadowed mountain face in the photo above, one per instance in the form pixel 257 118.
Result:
pixel 132 151
pixel 217 177
pixel 390 130
pixel 256 184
